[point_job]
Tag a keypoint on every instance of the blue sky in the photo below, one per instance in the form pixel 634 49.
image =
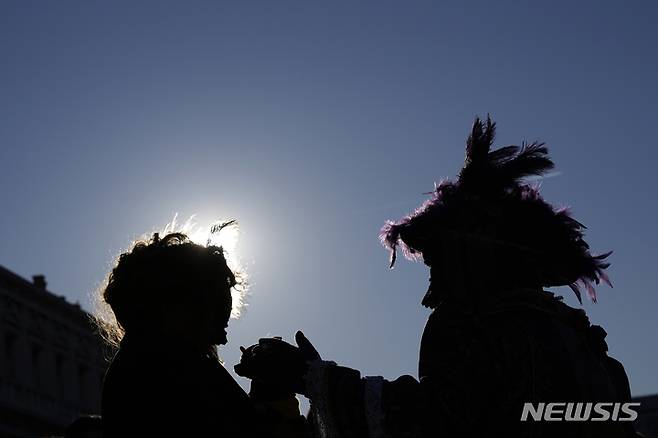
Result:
pixel 312 124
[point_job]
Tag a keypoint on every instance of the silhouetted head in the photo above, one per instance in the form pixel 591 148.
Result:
pixel 488 230
pixel 173 288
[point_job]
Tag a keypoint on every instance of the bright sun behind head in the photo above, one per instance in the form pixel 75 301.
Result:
pixel 227 239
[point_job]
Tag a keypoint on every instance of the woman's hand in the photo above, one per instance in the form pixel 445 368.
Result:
pixel 277 365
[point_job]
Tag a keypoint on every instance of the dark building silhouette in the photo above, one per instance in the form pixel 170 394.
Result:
pixel 52 360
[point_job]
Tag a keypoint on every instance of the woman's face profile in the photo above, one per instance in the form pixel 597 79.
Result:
pixel 202 320
pixel 212 313
pixel 217 314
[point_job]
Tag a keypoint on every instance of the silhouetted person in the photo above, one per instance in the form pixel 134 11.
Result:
pixel 495 339
pixel 172 302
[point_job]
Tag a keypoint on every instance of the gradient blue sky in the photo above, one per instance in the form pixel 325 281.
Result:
pixel 312 123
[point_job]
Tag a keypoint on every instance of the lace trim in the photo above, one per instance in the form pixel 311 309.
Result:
pixel 317 391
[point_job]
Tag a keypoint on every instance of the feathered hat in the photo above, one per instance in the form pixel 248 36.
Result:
pixel 490 202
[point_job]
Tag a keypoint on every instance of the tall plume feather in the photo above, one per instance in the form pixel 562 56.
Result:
pixel 487 171
pixel 480 140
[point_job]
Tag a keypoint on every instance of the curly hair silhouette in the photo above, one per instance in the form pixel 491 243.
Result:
pixel 170 280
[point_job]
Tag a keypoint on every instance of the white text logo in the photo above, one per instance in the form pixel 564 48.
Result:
pixel 570 411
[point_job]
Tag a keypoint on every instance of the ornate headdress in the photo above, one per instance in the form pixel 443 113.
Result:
pixel 490 202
